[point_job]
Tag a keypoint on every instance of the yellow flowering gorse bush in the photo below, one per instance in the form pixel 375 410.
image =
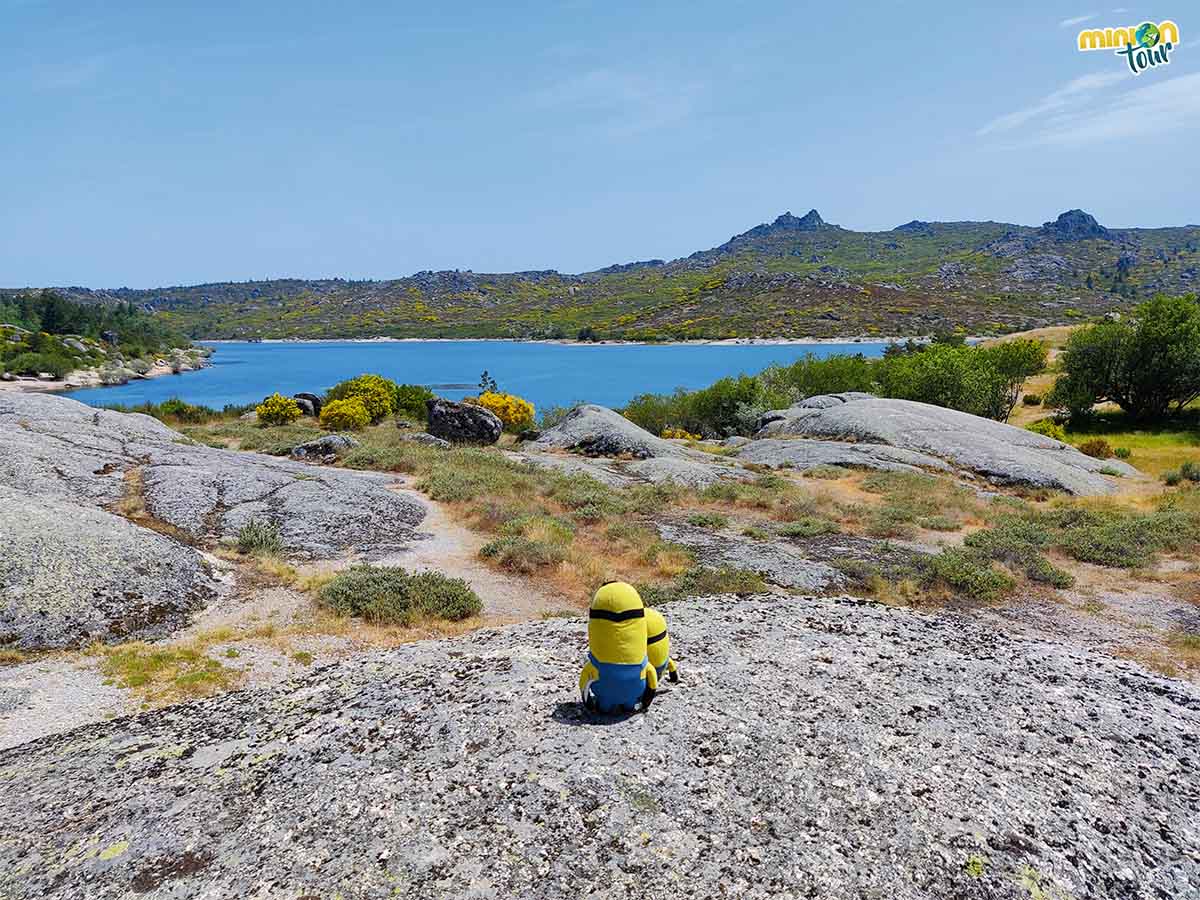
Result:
pixel 671 432
pixel 277 410
pixel 514 412
pixel 345 415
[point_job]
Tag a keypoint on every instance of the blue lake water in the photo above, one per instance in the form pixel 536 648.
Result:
pixel 546 374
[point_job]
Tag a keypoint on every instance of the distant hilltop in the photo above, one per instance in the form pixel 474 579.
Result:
pixel 794 277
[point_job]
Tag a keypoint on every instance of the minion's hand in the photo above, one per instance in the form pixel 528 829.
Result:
pixel 673 671
pixel 586 678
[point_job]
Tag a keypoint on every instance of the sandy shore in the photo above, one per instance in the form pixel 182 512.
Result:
pixel 81 378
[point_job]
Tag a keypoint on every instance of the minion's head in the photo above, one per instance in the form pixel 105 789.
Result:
pixel 658 643
pixel 617 624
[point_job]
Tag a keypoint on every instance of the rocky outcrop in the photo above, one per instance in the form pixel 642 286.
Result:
pixel 776 561
pixel 599 431
pixel 56 447
pixel 462 423
pixel 71 575
pixel 780 453
pixel 323 446
pixel 1074 225
pixel 996 451
pixel 825 748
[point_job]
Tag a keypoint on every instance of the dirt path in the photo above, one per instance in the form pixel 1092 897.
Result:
pixel 454 550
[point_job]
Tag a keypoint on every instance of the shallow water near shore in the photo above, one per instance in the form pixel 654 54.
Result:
pixel 547 374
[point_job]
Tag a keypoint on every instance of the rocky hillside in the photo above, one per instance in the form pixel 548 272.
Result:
pixel 793 277
pixel 814 748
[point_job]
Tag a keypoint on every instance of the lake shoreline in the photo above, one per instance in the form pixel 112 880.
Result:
pixel 83 379
pixel 566 342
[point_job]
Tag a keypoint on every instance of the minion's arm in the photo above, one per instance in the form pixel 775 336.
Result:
pixel 651 677
pixel 673 670
pixel 589 674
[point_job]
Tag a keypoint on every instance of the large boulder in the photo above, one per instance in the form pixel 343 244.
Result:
pixel 71 575
pixel 599 431
pixel 462 423
pixel 310 404
pixel 1001 453
pixel 814 748
pixel 57 447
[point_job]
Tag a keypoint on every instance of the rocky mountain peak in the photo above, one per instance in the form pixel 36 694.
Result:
pixel 810 221
pixel 1074 225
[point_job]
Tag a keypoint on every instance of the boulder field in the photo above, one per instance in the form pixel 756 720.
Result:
pixel 853 429
pixel 814 748
pixel 63 464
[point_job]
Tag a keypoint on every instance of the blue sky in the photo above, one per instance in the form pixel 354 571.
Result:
pixel 153 145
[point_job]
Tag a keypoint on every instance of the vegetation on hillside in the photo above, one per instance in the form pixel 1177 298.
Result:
pixel 42 332
pixel 775 280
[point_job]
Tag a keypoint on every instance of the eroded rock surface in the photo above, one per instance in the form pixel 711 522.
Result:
pixel 778 561
pixel 803 455
pixel 997 451
pixel 815 748
pixel 71 575
pixel 57 447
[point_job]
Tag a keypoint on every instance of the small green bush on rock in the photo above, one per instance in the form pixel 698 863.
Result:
pixel 259 538
pixel 389 595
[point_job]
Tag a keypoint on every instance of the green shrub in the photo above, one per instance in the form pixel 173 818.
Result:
pixel 1190 471
pixel 409 401
pixel 345 415
pixel 1032 399
pixel 1147 363
pixel 970 573
pixel 277 410
pixel 756 534
pixel 712 520
pixel 391 596
pixel 1049 428
pixel 1098 448
pixel 807 527
pixel 37 363
pixel 378 395
pixel 522 554
pixel 1123 453
pixel 1172 478
pixel 259 538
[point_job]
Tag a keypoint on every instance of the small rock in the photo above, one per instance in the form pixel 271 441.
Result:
pixel 424 437
pixel 329 444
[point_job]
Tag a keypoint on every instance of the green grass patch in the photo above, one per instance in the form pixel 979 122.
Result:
pixel 702 581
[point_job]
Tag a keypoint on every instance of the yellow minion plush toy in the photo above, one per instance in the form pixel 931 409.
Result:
pixel 617 674
pixel 658 646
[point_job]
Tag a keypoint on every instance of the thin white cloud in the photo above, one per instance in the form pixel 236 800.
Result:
pixel 1062 99
pixel 1120 9
pixel 1067 23
pixel 1170 104
pixel 622 103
